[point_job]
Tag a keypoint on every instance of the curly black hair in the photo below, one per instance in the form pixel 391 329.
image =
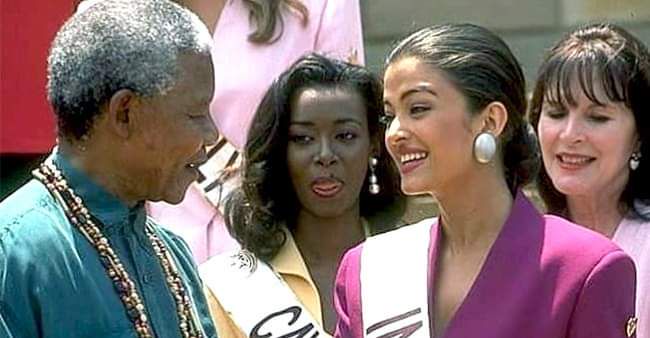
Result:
pixel 257 211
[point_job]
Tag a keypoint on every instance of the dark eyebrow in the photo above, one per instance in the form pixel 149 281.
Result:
pixel 418 89
pixel 338 121
pixel 301 123
pixel 423 88
pixel 348 120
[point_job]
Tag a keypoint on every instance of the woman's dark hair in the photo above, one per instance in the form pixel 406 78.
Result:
pixel 256 213
pixel 267 16
pixel 598 56
pixel 484 70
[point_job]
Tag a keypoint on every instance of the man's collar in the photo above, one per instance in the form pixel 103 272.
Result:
pixel 103 205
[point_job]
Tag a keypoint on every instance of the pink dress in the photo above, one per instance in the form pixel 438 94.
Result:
pixel 633 236
pixel 544 277
pixel 243 72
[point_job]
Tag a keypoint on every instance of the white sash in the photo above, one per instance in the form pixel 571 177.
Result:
pixel 394 269
pixel 256 297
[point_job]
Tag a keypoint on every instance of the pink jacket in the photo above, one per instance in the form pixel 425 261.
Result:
pixel 543 277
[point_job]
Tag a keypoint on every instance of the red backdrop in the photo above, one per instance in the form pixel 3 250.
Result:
pixel 27 29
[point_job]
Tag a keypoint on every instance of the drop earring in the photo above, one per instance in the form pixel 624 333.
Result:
pixel 373 181
pixel 635 160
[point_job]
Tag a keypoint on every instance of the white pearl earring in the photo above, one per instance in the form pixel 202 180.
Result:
pixel 485 146
pixel 635 160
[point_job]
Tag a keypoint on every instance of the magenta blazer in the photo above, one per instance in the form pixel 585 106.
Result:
pixel 544 277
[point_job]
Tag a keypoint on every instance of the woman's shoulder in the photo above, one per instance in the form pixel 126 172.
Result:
pixel 639 217
pixel 575 244
pixel 635 223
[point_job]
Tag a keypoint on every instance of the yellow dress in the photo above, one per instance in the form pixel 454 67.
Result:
pixel 291 267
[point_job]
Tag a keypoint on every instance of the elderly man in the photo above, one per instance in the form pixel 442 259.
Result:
pixel 130 82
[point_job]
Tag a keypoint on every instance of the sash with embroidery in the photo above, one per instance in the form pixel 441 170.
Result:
pixel 394 269
pixel 256 298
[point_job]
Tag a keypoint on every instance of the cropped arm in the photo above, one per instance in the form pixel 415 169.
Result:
pixel 606 301
pixel 347 296
pixel 17 313
pixel 339 32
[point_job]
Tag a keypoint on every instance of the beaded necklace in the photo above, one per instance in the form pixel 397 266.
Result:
pixel 79 216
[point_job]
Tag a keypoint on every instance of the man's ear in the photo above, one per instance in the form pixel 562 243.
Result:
pixel 495 117
pixel 119 110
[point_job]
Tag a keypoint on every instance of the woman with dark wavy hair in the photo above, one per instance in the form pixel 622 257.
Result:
pixel 592 113
pixel 317 180
pixel 261 38
pixel 491 265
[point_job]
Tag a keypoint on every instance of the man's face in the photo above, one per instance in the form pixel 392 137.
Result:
pixel 175 130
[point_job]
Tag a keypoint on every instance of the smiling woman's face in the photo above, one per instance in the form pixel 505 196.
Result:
pixel 586 147
pixel 431 134
pixel 328 149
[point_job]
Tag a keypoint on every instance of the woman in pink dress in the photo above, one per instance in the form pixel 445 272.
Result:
pixel 491 265
pixel 590 107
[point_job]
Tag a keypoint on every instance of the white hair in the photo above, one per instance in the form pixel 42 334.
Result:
pixel 118 44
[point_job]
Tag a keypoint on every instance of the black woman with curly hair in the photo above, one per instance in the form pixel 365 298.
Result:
pixel 317 180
